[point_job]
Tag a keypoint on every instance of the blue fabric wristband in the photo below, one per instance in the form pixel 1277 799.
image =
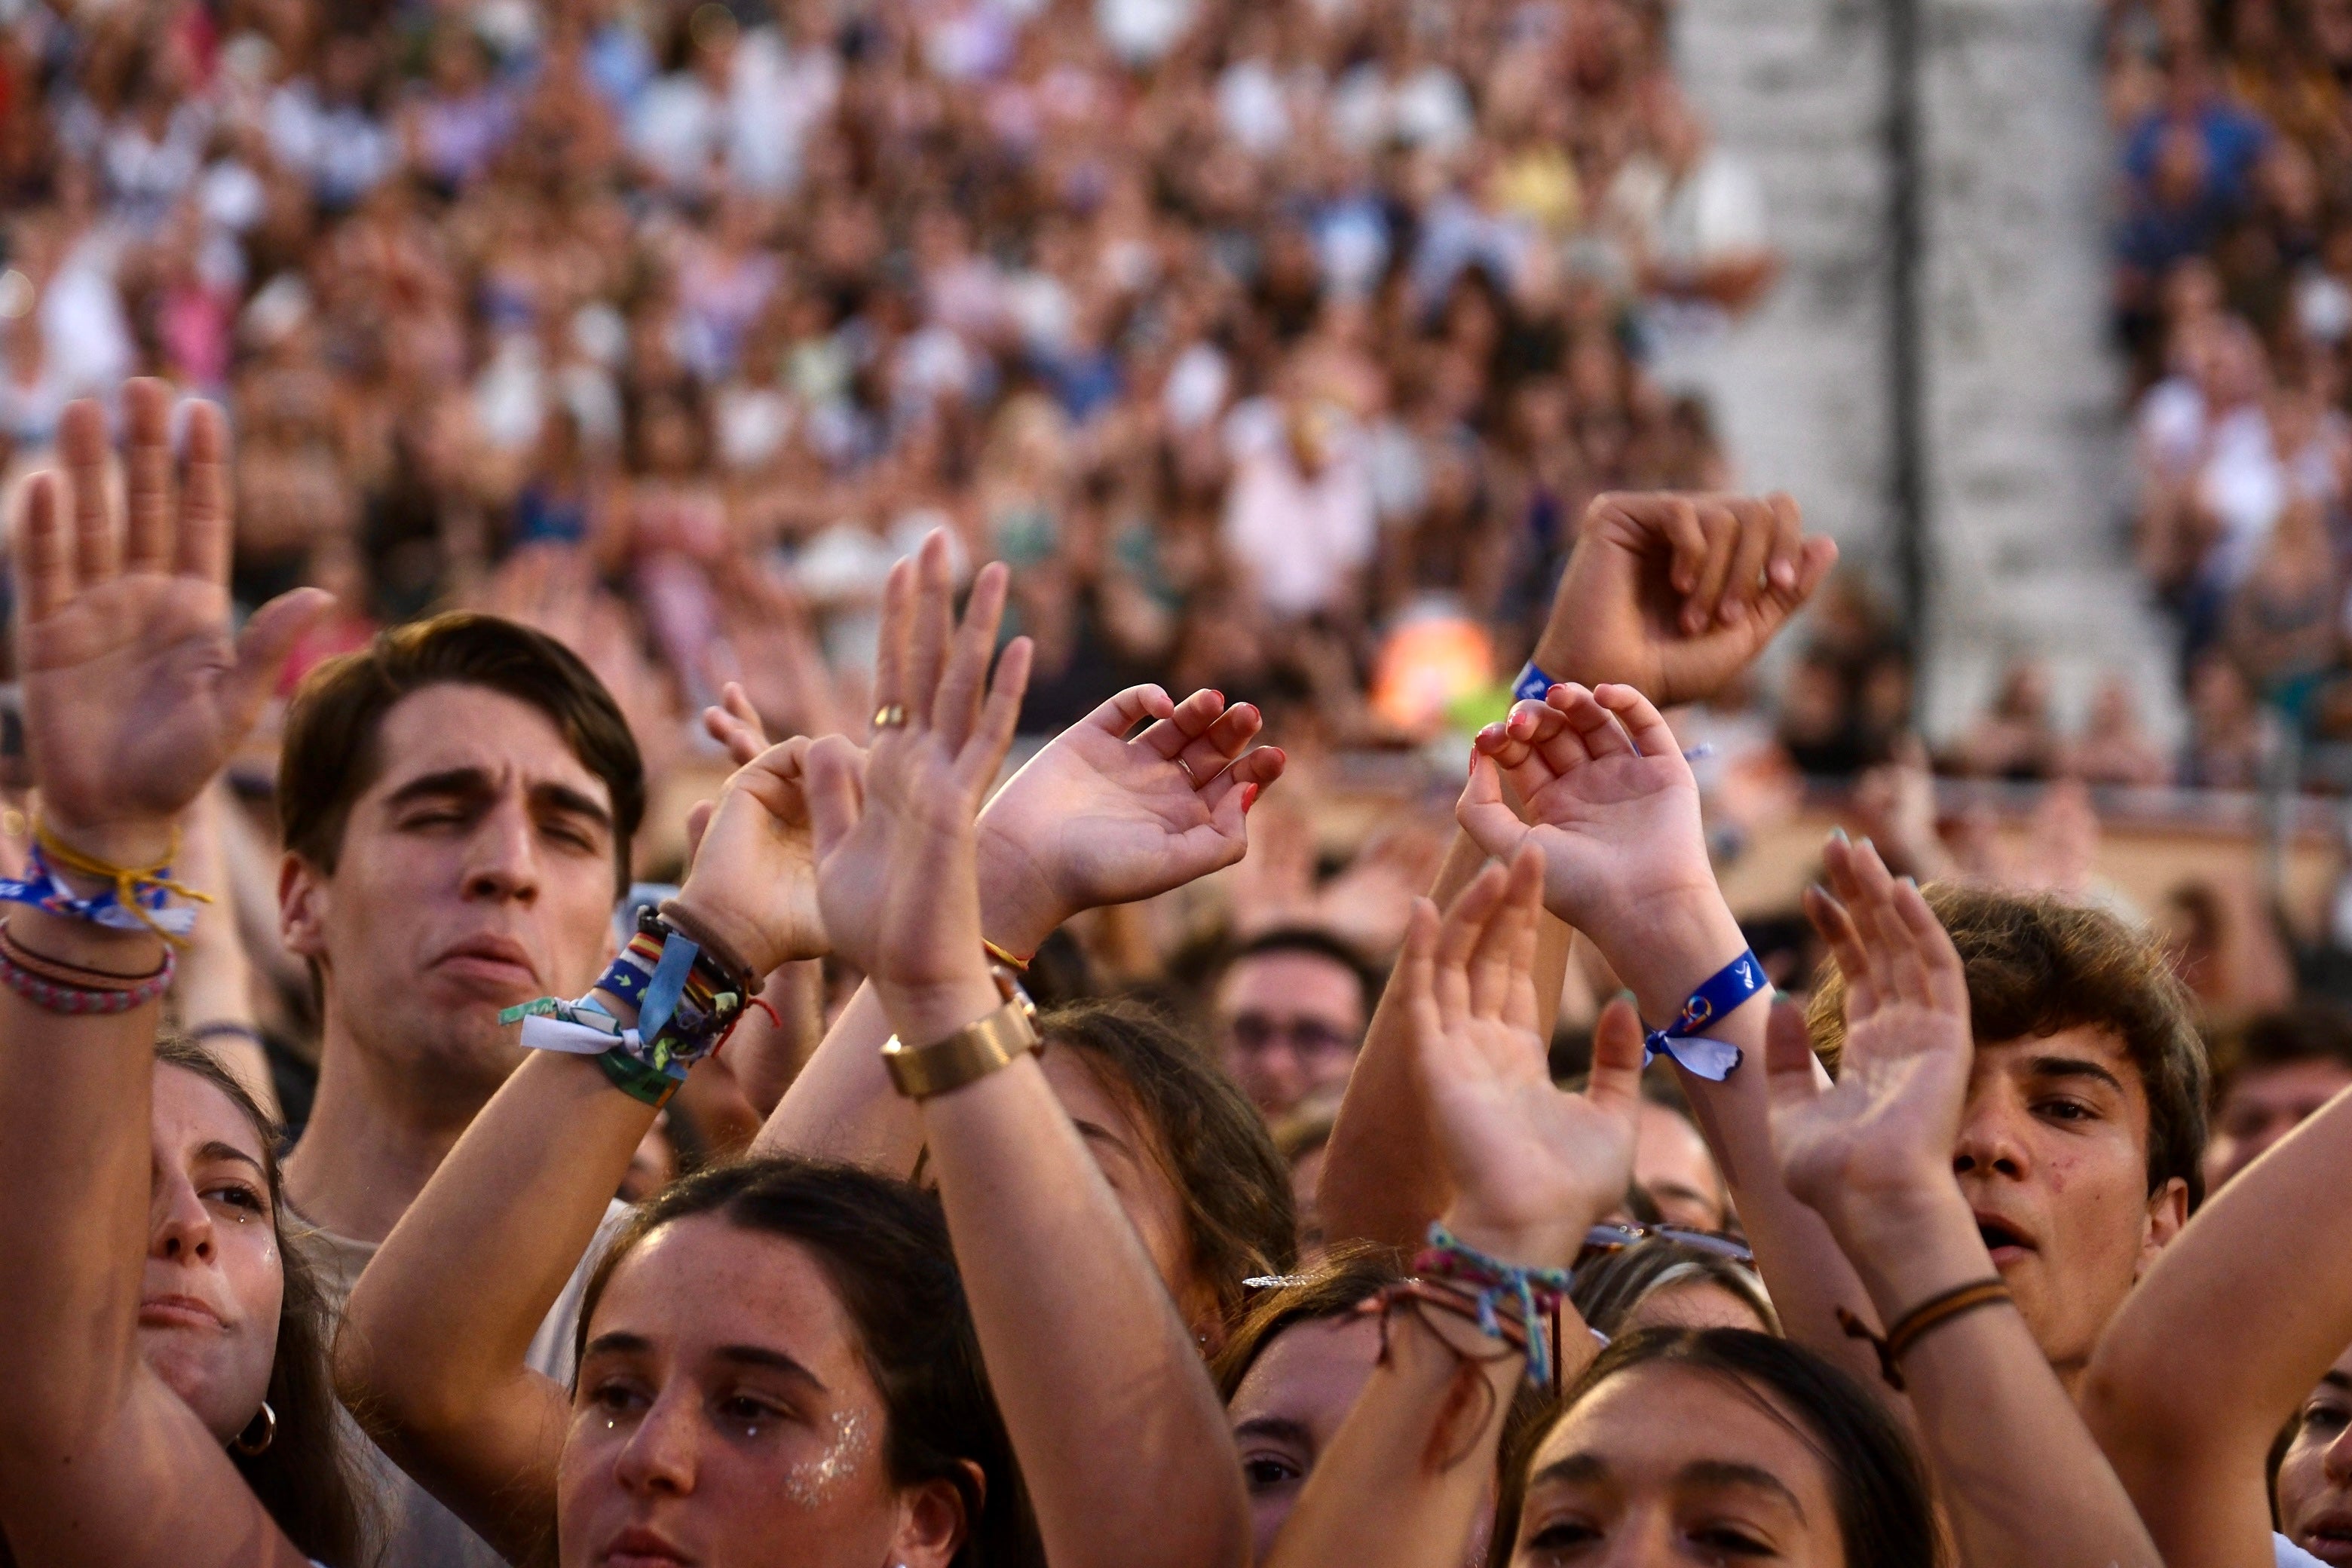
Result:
pixel 1724 991
pixel 1532 685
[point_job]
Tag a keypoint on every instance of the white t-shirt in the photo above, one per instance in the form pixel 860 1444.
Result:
pixel 423 1533
pixel 2290 1555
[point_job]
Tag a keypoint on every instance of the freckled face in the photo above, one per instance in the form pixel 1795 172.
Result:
pixel 2053 1156
pixel 724 1417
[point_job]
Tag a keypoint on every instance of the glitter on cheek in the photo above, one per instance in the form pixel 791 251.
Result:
pixel 814 1482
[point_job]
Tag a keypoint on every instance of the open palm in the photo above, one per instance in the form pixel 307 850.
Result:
pixel 135 693
pixel 1532 1166
pixel 1619 826
pixel 893 825
pixel 1096 818
pixel 1889 1123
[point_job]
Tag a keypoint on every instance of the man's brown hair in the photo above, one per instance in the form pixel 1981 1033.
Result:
pixel 331 757
pixel 2038 964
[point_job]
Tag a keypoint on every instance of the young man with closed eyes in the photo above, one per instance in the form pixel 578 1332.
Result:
pixel 457 803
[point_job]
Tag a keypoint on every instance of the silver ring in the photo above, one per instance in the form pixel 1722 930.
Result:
pixel 890 716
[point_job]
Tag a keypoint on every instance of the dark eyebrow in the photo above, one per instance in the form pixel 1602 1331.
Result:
pixel 1573 1469
pixel 1098 1131
pixel 1281 1427
pixel 2073 1066
pixel 620 1342
pixel 474 784
pixel 1721 1473
pixel 217 1150
pixel 775 1361
pixel 2342 1380
pixel 469 782
pixel 564 798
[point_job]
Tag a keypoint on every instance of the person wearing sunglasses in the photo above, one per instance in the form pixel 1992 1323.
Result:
pixel 1290 1011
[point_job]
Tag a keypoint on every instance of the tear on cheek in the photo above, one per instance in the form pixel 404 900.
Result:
pixel 811 1483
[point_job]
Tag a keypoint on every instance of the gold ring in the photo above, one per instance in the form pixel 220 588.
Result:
pixel 1192 776
pixel 890 716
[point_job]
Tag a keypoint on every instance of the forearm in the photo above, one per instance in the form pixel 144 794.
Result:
pixel 1109 1408
pixel 841 1106
pixel 2018 1475
pixel 1800 1262
pixel 433 1349
pixel 76 1092
pixel 1382 1180
pixel 1403 1483
pixel 2234 1325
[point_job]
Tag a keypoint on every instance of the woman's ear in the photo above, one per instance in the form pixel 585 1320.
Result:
pixel 931 1525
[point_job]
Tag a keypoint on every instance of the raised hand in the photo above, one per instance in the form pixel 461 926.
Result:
pixel 1606 796
pixel 753 879
pixel 1532 1166
pixel 135 693
pixel 1673 593
pixel 1884 1133
pixel 896 878
pixel 1096 818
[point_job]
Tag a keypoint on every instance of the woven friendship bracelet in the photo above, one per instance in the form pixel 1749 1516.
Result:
pixel 1536 1291
pixel 138 901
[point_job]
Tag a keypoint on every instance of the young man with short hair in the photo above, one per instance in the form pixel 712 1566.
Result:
pixel 457 802
pixel 2080 1144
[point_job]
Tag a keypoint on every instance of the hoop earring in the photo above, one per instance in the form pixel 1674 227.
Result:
pixel 248 1445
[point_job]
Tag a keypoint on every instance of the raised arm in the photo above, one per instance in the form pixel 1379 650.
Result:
pixel 1672 594
pixel 2234 1325
pixel 2019 1479
pixel 433 1351
pixel 1532 1168
pixel 1094 818
pixel 1120 1438
pixel 134 696
pixel 1614 808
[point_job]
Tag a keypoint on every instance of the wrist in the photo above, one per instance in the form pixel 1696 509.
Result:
pixel 925 1013
pixel 738 939
pixel 1909 1241
pixel 1550 1243
pixel 136 842
pixel 1666 947
pixel 1018 907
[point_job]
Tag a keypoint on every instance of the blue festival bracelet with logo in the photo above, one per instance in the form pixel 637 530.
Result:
pixel 1724 993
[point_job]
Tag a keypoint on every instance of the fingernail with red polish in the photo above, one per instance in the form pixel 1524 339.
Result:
pixel 1249 797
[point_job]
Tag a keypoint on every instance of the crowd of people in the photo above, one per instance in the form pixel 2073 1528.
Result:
pixel 1279 346
pixel 666 885
pixel 1940 1266
pixel 2233 300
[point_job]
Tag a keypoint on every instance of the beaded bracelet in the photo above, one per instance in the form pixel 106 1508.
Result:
pixel 1536 1291
pixel 74 999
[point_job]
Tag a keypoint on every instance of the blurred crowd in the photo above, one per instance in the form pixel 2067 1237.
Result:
pixel 1278 346
pixel 2233 300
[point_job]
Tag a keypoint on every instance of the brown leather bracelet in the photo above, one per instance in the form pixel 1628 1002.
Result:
pixel 718 952
pixel 1920 1320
